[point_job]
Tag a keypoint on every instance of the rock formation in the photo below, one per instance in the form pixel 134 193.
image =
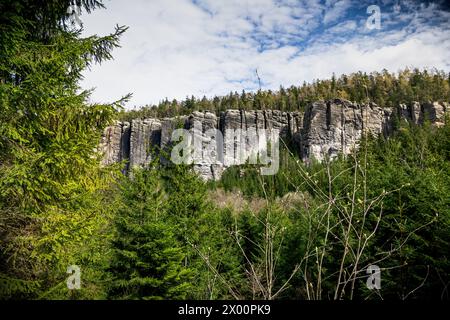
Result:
pixel 325 129
pixel 337 126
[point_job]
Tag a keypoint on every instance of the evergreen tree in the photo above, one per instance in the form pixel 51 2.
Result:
pixel 51 184
pixel 147 258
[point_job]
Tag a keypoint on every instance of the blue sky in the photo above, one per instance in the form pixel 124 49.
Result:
pixel 176 48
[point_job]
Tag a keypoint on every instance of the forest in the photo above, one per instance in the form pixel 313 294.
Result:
pixel 308 232
pixel 382 88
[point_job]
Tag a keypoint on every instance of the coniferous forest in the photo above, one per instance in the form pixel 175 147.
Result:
pixel 383 88
pixel 307 232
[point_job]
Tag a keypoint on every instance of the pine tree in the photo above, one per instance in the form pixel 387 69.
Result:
pixel 148 260
pixel 51 184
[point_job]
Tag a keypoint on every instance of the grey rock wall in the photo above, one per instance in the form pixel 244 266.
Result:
pixel 337 126
pixel 145 134
pixel 325 129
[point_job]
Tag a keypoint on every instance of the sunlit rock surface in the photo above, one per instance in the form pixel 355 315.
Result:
pixel 324 129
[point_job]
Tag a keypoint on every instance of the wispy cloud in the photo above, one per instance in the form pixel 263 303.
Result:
pixel 335 10
pixel 176 48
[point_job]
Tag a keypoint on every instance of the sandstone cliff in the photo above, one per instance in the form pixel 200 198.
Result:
pixel 326 128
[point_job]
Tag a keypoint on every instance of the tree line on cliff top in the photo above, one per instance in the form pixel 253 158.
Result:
pixel 384 88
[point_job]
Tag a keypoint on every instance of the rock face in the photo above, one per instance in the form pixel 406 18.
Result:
pixel 145 134
pixel 115 144
pixel 325 129
pixel 337 126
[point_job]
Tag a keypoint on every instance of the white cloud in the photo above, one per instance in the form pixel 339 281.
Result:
pixel 176 48
pixel 343 27
pixel 335 10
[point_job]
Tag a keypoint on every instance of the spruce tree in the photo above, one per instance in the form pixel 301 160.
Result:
pixel 51 181
pixel 148 260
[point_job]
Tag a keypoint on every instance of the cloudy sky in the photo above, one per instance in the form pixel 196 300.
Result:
pixel 176 48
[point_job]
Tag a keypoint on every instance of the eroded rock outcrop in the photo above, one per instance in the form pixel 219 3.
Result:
pixel 337 126
pixel 325 129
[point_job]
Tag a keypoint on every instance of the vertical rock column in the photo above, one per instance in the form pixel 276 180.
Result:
pixel 315 133
pixel 115 144
pixel 230 120
pixel 145 135
pixel 208 148
pixel 168 125
pixel 434 112
pixel 337 126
